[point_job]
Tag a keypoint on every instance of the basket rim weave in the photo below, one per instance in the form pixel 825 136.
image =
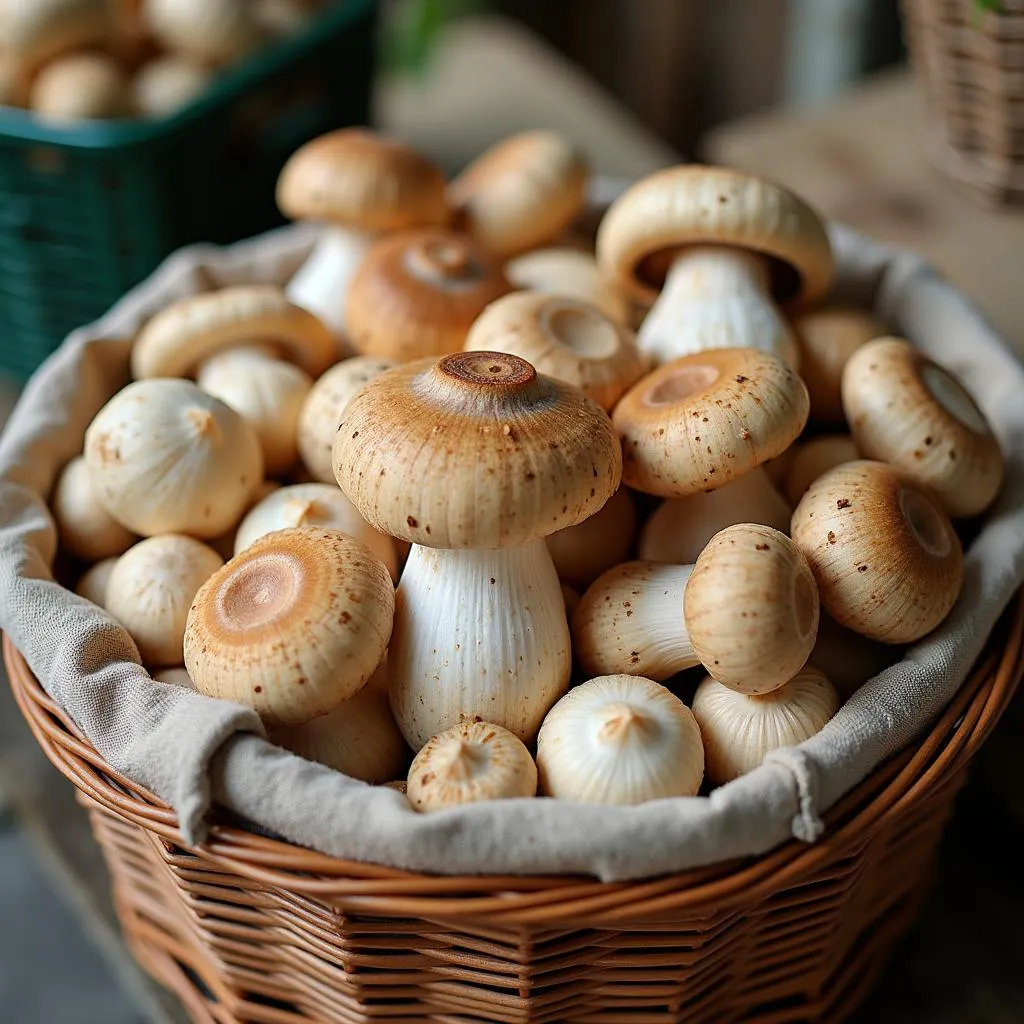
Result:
pixel 933 763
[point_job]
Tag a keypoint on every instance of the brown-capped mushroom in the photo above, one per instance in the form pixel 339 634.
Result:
pixel 571 273
pixel 39 31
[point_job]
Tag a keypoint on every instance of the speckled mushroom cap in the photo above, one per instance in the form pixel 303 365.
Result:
pixel 475 450
pixel 192 329
pixel 694 205
pixel 417 293
pixel 294 625
pixel 362 180
pixel 521 192
pixel 702 421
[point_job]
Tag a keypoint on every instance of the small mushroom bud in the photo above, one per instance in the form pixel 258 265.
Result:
pixel 571 273
pixel 751 608
pixel 268 392
pixel 582 552
pixel 80 86
pixel 166 85
pixel 470 762
pixel 619 740
pixel 93 584
pixel 323 409
pixel 85 528
pixel 567 339
pixel 313 505
pixel 151 588
pixel 293 626
pixel 883 551
pixel 813 458
pixel 165 457
pixel 739 729
pixel 906 410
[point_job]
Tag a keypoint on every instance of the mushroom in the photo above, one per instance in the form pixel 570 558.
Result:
pixel 619 740
pixel 520 193
pixel 564 338
pixel 751 608
pixel 151 588
pixel 815 457
pixel 358 738
pixel 885 555
pixel 827 338
pixel 80 86
pixel 14 81
pixel 475 458
pixel 679 529
pixel 166 85
pixel 39 31
pixel 472 761
pixel 93 584
pixel 184 334
pixel 176 676
pixel 630 621
pixel 361 185
pixel 214 32
pixel 166 457
pixel 705 420
pixel 571 273
pixel 722 247
pixel 281 18
pixel 906 410
pixel 293 626
pixel 847 658
pixel 739 729
pixel 224 545
pixel 322 410
pixel 85 528
pixel 418 292
pixel 582 552
pixel 268 392
pixel 313 505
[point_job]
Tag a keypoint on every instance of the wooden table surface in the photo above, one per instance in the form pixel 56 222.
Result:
pixel 861 160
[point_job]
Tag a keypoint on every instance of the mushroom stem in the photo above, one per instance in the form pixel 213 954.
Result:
pixel 321 284
pixel 716 297
pixel 477 634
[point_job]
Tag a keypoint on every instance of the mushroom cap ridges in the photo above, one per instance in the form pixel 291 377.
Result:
pixel 475 450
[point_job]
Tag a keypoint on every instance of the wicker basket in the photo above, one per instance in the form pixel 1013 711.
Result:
pixel 250 930
pixel 970 63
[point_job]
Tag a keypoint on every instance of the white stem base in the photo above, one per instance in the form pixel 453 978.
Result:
pixel 716 297
pixel 477 633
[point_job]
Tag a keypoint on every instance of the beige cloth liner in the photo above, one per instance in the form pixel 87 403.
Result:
pixel 185 747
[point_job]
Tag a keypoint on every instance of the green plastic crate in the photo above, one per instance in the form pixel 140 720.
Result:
pixel 88 211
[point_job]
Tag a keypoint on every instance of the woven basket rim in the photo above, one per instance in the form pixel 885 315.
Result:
pixel 891 789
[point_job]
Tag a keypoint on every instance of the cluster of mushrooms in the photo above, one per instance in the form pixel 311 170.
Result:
pixel 449 396
pixel 72 60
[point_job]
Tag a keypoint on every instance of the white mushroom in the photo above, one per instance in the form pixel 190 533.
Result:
pixel 85 528
pixel 81 86
pixel 210 31
pixel 165 85
pixel 93 584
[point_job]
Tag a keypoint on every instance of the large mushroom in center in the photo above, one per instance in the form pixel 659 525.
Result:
pixel 474 459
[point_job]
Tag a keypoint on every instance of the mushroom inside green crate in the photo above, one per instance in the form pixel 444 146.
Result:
pixel 358 185
pixel 475 458
pixel 723 249
pixel 80 86
pixel 165 85
pixel 213 32
pixel 36 32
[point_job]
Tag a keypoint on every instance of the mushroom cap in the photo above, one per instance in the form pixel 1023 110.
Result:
pixel 94 582
pixel 470 762
pixel 165 457
pixel 475 450
pixel 40 30
pixel 521 192
pixel 183 334
pixel 165 85
pixel 323 408
pixel 573 273
pixel 882 549
pixel 906 410
pixel 313 505
pixel 151 588
pixel 696 205
pixel 699 422
pixel 567 339
pixel 364 181
pixel 584 551
pixel 621 740
pixel 85 528
pixel 294 625
pixel 212 31
pixel 738 729
pixel 751 608
pixel 827 337
pixel 417 293
pixel 816 456
pixel 80 86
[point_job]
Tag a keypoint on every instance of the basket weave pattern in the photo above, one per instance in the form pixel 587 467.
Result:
pixel 971 66
pixel 252 930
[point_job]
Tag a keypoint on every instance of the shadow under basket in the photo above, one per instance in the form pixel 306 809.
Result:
pixel 251 930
